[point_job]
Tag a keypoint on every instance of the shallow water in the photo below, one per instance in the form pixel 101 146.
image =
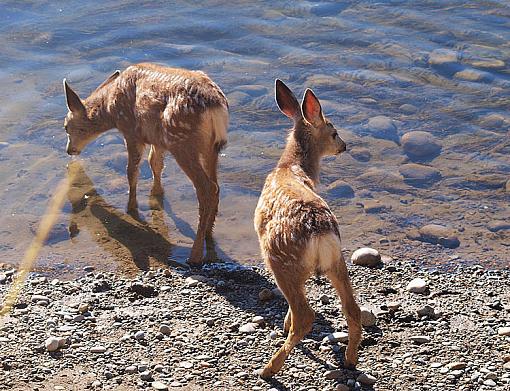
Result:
pixel 363 59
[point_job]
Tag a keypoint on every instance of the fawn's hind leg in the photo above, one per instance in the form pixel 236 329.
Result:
pixel 301 321
pixel 156 161
pixel 135 152
pixel 339 277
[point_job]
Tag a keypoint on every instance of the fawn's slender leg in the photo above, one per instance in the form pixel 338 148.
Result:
pixel 156 161
pixel 211 166
pixel 301 321
pixel 287 321
pixel 339 277
pixel 207 194
pixel 135 152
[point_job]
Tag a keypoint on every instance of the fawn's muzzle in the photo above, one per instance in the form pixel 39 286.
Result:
pixel 342 148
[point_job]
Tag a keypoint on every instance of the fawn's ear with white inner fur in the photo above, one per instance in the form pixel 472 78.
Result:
pixel 286 101
pixel 312 110
pixel 111 78
pixel 74 103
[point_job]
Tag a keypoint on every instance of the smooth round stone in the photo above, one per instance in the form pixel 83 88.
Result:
pixel 442 57
pixel 265 294
pixel 368 319
pixel 248 328
pixel 436 234
pixel 377 179
pixel 495 226
pixel 488 63
pixel 139 335
pixel 473 75
pixel 366 256
pixel 165 329
pixel 420 144
pixel 426 310
pixel 97 349
pixel 456 365
pixel 382 127
pixel 258 319
pixel 492 121
pixel 340 189
pixel 185 364
pixel 360 154
pixel 419 175
pixel 504 331
pixel 366 379
pixel 417 285
pixel 335 337
pixel 146 376
pixel 157 385
pixel 334 374
pixel 52 344
pixel 393 305
pixel 420 339
pixel 407 108
pixel 131 369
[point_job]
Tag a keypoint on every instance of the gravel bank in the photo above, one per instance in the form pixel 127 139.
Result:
pixel 209 330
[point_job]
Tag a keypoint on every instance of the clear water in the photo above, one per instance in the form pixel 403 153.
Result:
pixel 362 58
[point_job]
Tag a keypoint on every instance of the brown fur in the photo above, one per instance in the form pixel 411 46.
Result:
pixel 176 110
pixel 298 233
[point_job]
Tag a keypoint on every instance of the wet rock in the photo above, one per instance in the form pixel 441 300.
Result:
pixel 265 294
pixel 504 331
pixel 360 154
pixel 328 9
pixel 378 179
pixel 420 145
pixel 407 108
pixel 417 285
pixel 382 127
pixel 340 189
pixel 368 319
pixel 440 57
pixel 52 344
pixel 420 339
pixel 366 256
pixel 473 75
pixel 495 226
pixel 488 63
pixel 366 379
pixel 419 175
pixel 375 206
pixel 144 290
pixel 435 234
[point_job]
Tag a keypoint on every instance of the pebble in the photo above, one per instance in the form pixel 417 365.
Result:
pixel 165 329
pixel 382 127
pixel 420 145
pixel 393 305
pixel 334 374
pixel 504 331
pixel 98 349
pixel 366 379
pixel 420 339
pixel 194 280
pixel 52 344
pixel 159 386
pixel 258 320
pixel 340 189
pixel 146 376
pixel 426 310
pixel 495 226
pixel 419 175
pixel 324 299
pixel 131 369
pixel 139 335
pixel 506 366
pixel 417 285
pixel 366 256
pixel 435 234
pixel 368 319
pixel 186 364
pixel 456 365
pixel 335 337
pixel 407 108
pixel 83 307
pixel 40 298
pixel 3 278
pixel 145 290
pixel 248 328
pixel 265 294
pixel 489 383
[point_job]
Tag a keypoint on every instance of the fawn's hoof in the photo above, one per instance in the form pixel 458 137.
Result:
pixel 349 365
pixel 265 373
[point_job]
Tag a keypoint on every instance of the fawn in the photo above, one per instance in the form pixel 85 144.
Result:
pixel 298 233
pixel 176 110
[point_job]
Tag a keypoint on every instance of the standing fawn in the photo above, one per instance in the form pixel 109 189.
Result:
pixel 298 233
pixel 174 110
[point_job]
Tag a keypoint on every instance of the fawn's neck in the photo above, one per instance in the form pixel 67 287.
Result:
pixel 300 151
pixel 99 109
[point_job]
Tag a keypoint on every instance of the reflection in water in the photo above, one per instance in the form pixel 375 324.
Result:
pixel 126 238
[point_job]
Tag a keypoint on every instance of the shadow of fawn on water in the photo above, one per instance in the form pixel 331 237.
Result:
pixel 135 243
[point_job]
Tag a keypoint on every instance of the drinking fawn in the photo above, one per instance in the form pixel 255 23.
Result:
pixel 176 110
pixel 298 233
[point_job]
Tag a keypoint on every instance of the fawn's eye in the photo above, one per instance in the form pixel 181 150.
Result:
pixel 334 135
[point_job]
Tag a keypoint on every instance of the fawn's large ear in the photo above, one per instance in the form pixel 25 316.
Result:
pixel 111 78
pixel 74 103
pixel 286 101
pixel 311 108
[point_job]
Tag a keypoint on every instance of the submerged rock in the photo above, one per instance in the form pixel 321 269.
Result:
pixel 378 179
pixel 382 127
pixel 360 154
pixel 474 75
pixel 496 226
pixel 420 145
pixel 443 57
pixel 419 175
pixel 340 189
pixel 436 234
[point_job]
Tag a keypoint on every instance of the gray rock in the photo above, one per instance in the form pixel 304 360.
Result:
pixel 393 305
pixel 489 383
pixel 265 294
pixel 435 234
pixel 139 335
pixel 418 285
pixel 165 329
pixel 504 331
pixel 131 369
pixel 456 365
pixel 419 175
pixel 52 344
pixel 382 127
pixel 426 310
pixel 194 280
pixel 366 379
pixel 334 374
pixel 407 108
pixel 248 328
pixel 186 364
pixel 40 298
pixel 366 256
pixel 420 339
pixel 368 319
pixel 420 145
pixel 258 320
pixel 340 189
pixel 146 376
pixel 495 226
pixel 98 349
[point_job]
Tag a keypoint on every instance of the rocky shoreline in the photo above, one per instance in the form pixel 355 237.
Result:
pixel 211 330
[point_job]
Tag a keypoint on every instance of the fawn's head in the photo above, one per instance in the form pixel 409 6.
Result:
pixel 310 124
pixel 83 124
